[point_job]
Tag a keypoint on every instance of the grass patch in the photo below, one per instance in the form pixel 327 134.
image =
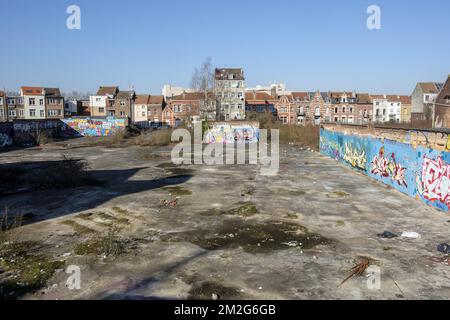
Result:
pixel 291 215
pixel 78 228
pixel 338 194
pixel 28 272
pixel 178 191
pixel 110 245
pixel 340 223
pixel 245 210
pixel 307 136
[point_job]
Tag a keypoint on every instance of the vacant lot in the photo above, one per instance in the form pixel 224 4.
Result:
pixel 139 227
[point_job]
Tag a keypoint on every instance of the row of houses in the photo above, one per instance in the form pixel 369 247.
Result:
pixel 231 100
pixel 31 104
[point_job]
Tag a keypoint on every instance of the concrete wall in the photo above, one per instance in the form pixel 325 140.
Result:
pixel 412 168
pixel 230 132
pixel 91 127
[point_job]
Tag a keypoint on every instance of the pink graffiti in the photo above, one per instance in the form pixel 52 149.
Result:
pixel 435 180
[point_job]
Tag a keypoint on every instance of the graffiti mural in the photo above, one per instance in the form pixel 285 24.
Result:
pixel 87 127
pixel 434 181
pixel 422 173
pixel 232 132
pixel 388 167
pixel 355 157
pixel 5 140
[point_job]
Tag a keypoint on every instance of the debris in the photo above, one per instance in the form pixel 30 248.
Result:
pixel 215 297
pixel 171 204
pixel 411 235
pixel 357 270
pixel 291 243
pixel 444 248
pixel 387 235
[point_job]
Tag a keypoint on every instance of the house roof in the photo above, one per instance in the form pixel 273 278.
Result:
pixel 363 98
pixel 191 96
pixel 405 99
pixel 142 98
pixel 52 92
pixel 430 87
pixel 32 91
pixel 300 95
pixel 378 97
pixel 125 94
pixel 104 91
pixel 444 95
pixel 156 100
pixel 255 95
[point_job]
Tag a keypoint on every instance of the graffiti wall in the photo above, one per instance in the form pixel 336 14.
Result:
pixel 6 135
pixel 30 132
pixel 223 132
pixel 89 127
pixel 420 172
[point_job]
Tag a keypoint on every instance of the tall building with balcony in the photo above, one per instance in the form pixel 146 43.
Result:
pixel 229 87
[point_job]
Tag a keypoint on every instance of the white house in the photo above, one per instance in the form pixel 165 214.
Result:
pixel 34 102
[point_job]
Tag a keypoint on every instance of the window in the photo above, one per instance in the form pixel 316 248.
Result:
pixel 11 101
pixel 122 103
pixel 240 106
pixel 177 108
pixel 1 112
pixel 32 112
pixel 42 113
pixel 32 101
pixel 143 113
pixel 351 109
pixel 54 113
pixel 122 113
pixel 98 99
pixel 21 112
pixel 336 110
pixel 41 102
pixel 343 109
pixel 112 113
pixel 101 110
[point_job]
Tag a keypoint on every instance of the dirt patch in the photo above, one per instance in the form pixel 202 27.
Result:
pixel 255 237
pixel 206 290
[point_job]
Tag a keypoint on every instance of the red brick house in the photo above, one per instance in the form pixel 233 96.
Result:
pixel 441 109
pixel 183 108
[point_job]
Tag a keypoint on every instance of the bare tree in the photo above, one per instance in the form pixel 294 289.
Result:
pixel 203 81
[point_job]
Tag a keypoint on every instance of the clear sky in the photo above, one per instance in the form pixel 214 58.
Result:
pixel 308 45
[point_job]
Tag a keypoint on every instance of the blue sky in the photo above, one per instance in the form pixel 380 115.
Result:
pixel 308 45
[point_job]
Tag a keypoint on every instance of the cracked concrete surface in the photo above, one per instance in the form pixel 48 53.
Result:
pixel 311 224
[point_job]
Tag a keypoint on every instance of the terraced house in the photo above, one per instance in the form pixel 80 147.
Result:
pixel 34 102
pixel 184 108
pixel 441 109
pixel 104 98
pixel 3 109
pixel 15 107
pixel 229 88
pixel 54 103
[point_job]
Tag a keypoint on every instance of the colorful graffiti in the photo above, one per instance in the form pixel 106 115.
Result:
pixel 388 167
pixel 87 127
pixel 420 172
pixel 434 182
pixel 230 133
pixel 357 158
